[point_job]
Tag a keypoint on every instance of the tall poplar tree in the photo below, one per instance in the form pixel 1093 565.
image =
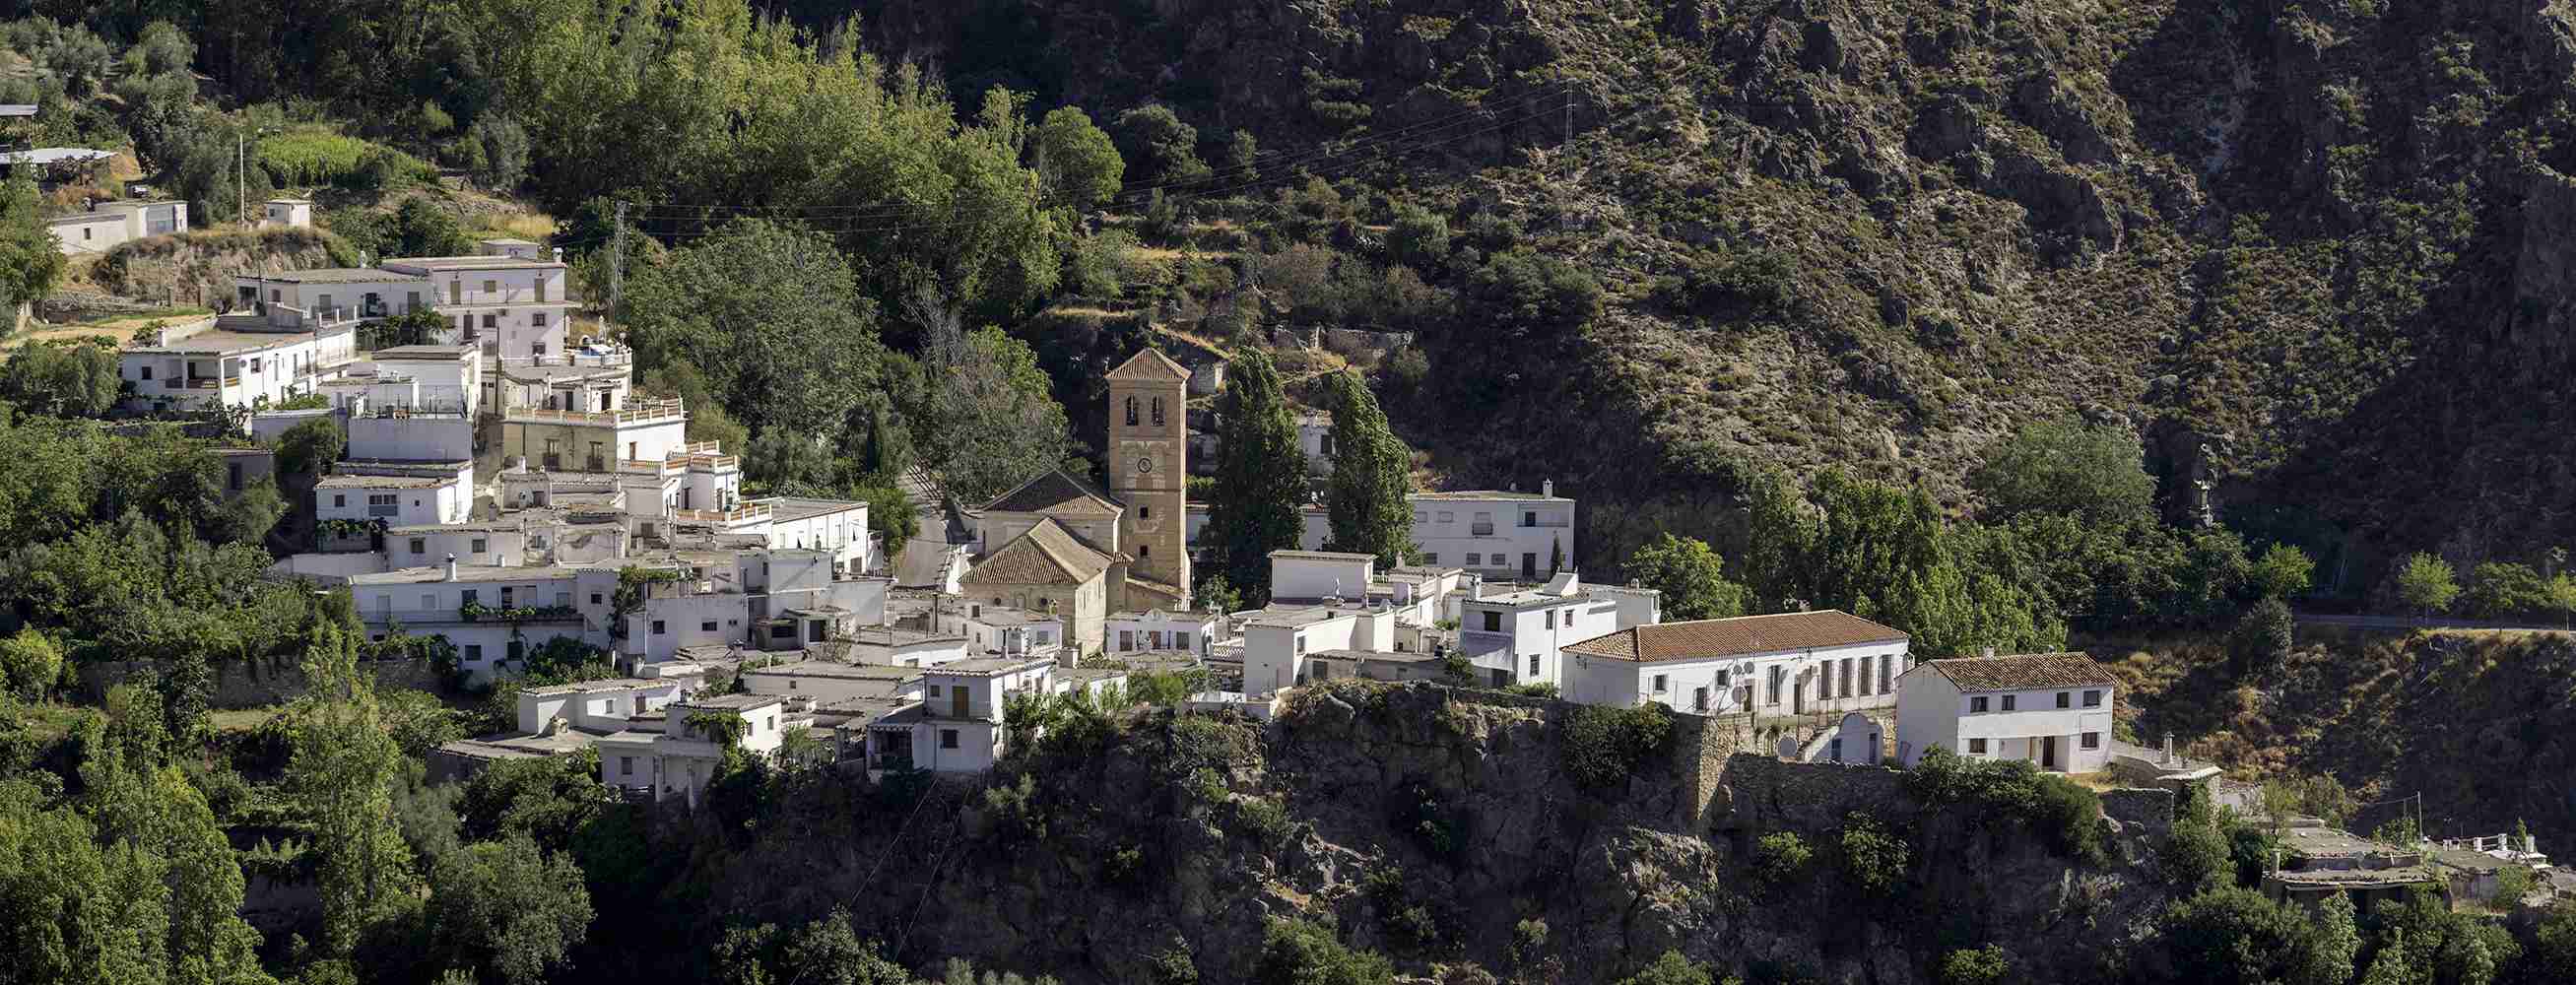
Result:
pixel 1371 476
pixel 1260 478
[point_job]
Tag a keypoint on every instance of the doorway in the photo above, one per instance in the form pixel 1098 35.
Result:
pixel 956 702
pixel 2048 754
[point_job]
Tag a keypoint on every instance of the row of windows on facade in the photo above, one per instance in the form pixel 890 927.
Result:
pixel 1977 704
pixel 1154 639
pixel 1494 620
pixel 2090 740
pixel 474 595
pixel 1481 522
pixel 298 362
pixel 704 626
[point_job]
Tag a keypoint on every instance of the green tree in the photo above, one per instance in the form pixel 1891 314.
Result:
pixel 2282 572
pixel 2499 590
pixel 1986 965
pixel 1779 544
pixel 311 446
pixel 2262 636
pixel 509 908
pixel 422 229
pixel 2095 472
pixel 991 421
pixel 891 514
pixel 73 378
pixel 1299 952
pixel 2426 584
pixel 2195 854
pixel 770 317
pixel 1372 476
pixel 2562 597
pixel 2338 940
pixel 30 663
pixel 2553 952
pixel 1076 161
pixel 1419 238
pixel 1691 576
pixel 1671 968
pixel 31 260
pixel 1166 147
pixel 341 772
pixel 505 152
pixel 1260 478
pixel 250 514
pixel 2234 936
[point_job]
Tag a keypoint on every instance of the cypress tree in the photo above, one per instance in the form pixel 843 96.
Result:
pixel 1260 478
pixel 1371 476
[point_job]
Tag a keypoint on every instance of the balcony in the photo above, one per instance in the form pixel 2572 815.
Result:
pixel 206 383
pixel 1472 642
pixel 755 511
pixel 636 412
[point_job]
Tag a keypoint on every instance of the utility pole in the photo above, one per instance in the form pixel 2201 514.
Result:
pixel 241 186
pixel 617 259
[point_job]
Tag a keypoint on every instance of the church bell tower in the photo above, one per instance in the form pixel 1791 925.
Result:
pixel 1149 469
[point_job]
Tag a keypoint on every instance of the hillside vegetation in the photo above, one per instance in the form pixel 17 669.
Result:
pixel 2309 249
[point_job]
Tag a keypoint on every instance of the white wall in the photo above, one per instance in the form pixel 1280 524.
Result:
pixel 683 620
pixel 842 532
pixel 1540 631
pixel 445 503
pixel 605 708
pixel 1316 577
pixel 1446 531
pixel 422 439
pixel 498 548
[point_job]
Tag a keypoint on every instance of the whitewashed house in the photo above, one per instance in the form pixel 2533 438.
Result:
pixel 679 757
pixel 827 681
pixel 1278 641
pixel 1519 637
pixel 213 362
pixel 109 223
pixel 496 544
pixel 286 213
pixel 327 297
pixel 1496 534
pixel 494 615
pixel 515 307
pixel 957 727
pixel 1163 629
pixel 400 494
pixel 1309 576
pixel 1788 664
pixel 2052 709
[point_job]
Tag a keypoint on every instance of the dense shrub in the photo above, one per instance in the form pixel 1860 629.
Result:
pixel 1873 858
pixel 1604 746
pixel 1975 966
pixel 1300 952
pixel 1780 859
pixel 2262 636
pixel 2061 811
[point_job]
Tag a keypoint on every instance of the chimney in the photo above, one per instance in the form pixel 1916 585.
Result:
pixel 1547 487
pixel 451 567
pixel 1989 653
pixel 2169 752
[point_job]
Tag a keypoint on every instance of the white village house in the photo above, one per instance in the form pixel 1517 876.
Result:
pixel 2052 709
pixel 1787 664
pixel 1486 532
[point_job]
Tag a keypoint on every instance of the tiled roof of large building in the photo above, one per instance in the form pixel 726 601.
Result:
pixel 1046 555
pixel 2024 672
pixel 1735 637
pixel 1056 493
pixel 1150 362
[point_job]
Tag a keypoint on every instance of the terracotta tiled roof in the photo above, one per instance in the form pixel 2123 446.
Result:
pixel 1150 363
pixel 1056 494
pixel 2024 672
pixel 1046 555
pixel 1705 638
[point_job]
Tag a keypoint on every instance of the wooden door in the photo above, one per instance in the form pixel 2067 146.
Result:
pixel 956 701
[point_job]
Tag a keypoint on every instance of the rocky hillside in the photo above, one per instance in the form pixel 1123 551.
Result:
pixel 2477 722
pixel 2310 249
pixel 197 267
pixel 1433 828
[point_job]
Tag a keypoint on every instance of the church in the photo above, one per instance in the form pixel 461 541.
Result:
pixel 1061 544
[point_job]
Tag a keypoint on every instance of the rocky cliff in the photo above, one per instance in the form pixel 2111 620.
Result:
pixel 2311 250
pixel 1429 824
pixel 197 267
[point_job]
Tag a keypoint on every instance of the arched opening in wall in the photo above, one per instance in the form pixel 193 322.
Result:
pixel 1131 412
pixel 1158 412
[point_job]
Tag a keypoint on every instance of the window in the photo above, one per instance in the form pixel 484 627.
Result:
pixel 383 499
pixel 1144 550
pixel 478 545
pixel 1430 558
pixel 707 626
pixel 658 628
pixel 1846 686
pixel 948 738
pixel 339 500
pixel 594 598
pixel 2063 698
pixel 537 319
pixel 1699 699
pixel 1126 640
pixel 772 726
pixel 1834 750
pixel 2092 699
pixel 1144 512
pixel 419 545
pixel 1473 558
pixel 474 653
pixel 1131 412
pixel 626 765
pixel 1660 683
pixel 1772 694
pixel 1533 665
pixel 1886 662
pixel 1448 517
pixel 232 476
pixel 147 372
pixel 1976 747
pixel 491 320
pixel 1493 622
pixel 1977 705
pixel 1180 641
pixel 2092 740
pixel 1551 619
pixel 491 287
pixel 934 690
pixel 473 595
pixel 1158 410
pixel 2008 702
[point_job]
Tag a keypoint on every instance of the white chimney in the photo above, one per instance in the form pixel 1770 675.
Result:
pixel 1989 653
pixel 451 567
pixel 1547 487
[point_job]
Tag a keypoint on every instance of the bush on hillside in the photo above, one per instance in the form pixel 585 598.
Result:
pixel 2061 811
pixel 1604 746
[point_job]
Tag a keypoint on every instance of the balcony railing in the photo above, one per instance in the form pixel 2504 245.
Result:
pixel 637 412
pixel 205 382
pixel 754 511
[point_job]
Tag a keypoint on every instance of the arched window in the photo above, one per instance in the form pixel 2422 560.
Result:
pixel 1158 411
pixel 1131 412
pixel 1144 550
